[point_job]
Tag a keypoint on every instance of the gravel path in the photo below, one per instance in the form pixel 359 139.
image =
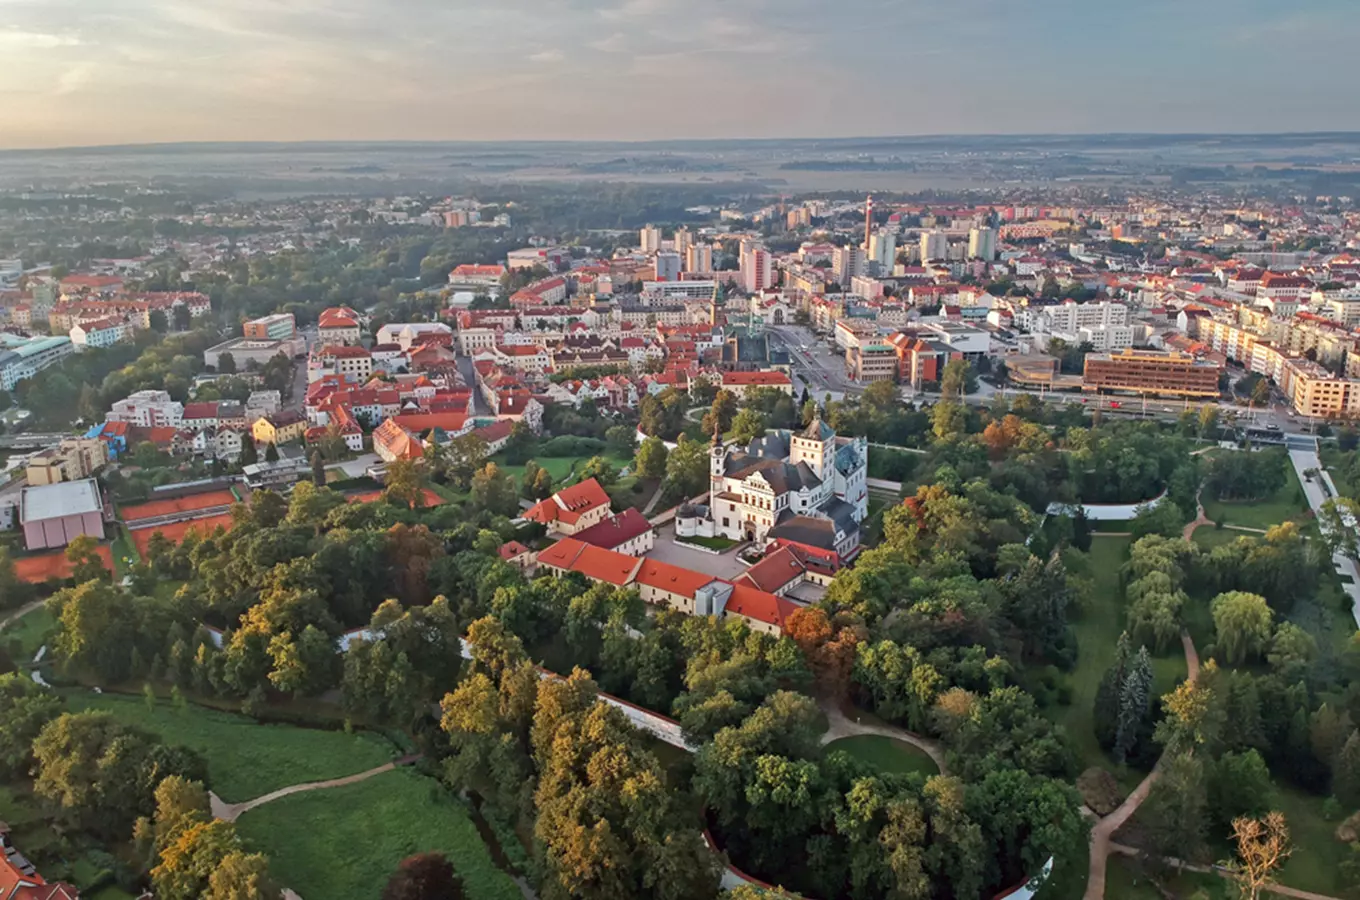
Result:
pixel 840 727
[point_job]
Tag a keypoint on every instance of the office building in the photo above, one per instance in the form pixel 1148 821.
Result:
pixel 1153 372
pixel 872 362
pixel 934 245
pixel 650 238
pixel 982 244
pixel 699 258
pixel 278 327
pixel 22 358
pixel 667 265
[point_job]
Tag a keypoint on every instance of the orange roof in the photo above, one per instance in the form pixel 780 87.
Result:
pixel 755 378
pixel 176 532
pixel 177 505
pixel 424 421
pixel 774 571
pixel 569 504
pixel 35 569
pixel 762 606
pixel 595 563
pixel 338 317
pixel 666 577
pixel 512 549
pixel 397 440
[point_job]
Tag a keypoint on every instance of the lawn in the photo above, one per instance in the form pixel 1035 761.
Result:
pixel 1288 503
pixel 1097 631
pixel 353 837
pixel 124 551
pixel 712 543
pixel 886 754
pixel 561 468
pixel 31 631
pixel 1209 537
pixel 245 758
pixel 1316 862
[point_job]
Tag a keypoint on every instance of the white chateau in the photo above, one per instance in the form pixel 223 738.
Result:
pixel 809 487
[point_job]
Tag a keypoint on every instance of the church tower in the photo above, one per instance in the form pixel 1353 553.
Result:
pixel 717 463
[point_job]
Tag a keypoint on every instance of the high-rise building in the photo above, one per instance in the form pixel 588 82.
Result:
pixel 883 250
pixel 982 244
pixel 934 245
pixel 699 258
pixel 651 239
pixel 683 241
pixel 757 268
pixel 667 266
pixel 847 263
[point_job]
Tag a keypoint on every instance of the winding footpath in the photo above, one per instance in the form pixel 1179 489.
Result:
pixel 1271 887
pixel 230 812
pixel 1102 831
pixel 840 726
pixel 19 613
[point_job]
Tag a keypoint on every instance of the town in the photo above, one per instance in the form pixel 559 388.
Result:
pixel 876 545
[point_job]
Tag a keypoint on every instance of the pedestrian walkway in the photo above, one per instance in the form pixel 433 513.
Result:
pixel 1101 833
pixel 1282 890
pixel 230 812
pixel 1319 489
pixel 840 726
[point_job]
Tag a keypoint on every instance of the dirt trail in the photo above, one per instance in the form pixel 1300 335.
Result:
pixel 230 812
pixel 840 727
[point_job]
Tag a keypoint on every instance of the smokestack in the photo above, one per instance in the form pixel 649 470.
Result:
pixel 868 220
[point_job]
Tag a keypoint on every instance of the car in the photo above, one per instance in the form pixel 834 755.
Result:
pixel 1115 404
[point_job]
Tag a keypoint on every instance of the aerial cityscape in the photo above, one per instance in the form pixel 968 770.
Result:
pixel 456 453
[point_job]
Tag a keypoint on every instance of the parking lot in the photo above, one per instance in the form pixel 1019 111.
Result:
pixel 725 566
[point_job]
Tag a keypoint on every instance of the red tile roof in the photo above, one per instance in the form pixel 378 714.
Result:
pixel 774 571
pixel 675 580
pixel 512 549
pixel 569 504
pixel 755 378
pixel 594 563
pixel 762 606
pixel 616 530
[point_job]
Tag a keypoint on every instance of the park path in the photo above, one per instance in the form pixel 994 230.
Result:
pixel 230 812
pixel 19 613
pixel 841 726
pixel 656 498
pixel 1200 518
pixel 1272 887
pixel 1101 833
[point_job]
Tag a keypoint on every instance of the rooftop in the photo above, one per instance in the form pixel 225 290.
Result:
pixel 67 498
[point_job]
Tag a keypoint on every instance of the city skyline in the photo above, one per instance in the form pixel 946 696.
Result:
pixel 150 71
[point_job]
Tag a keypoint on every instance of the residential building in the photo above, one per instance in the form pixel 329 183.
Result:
pixel 22 358
pixel 1169 373
pixel 278 327
pixel 19 878
pixel 354 364
pixel 99 333
pixel 740 382
pixel 480 279
pixel 934 245
pixel 392 441
pixel 650 239
pixel 982 244
pixel 71 460
pixel 668 265
pixel 280 428
pixel 276 474
pixel 339 325
pixel 870 362
pixel 53 515
pixel 260 404
pixel 847 263
pixel 1317 393
pixel 757 268
pixel 699 258
pixel 629 532
pixel 684 239
pixel 882 251
pixel 148 409
pixel 572 509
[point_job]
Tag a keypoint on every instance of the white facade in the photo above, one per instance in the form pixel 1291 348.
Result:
pixel 22 358
pixel 699 258
pixel 668 266
pixel 982 244
pixel 148 409
pixel 934 245
pixel 847 263
pixel 99 334
pixel 650 239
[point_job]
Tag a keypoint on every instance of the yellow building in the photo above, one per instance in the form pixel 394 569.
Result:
pixel 280 428
pixel 72 460
pixel 1316 392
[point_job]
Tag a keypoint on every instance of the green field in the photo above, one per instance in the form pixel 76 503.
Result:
pixel 1098 632
pixel 886 754
pixel 1286 504
pixel 712 543
pixel 245 758
pixel 346 841
pixel 31 631
pixel 1316 862
pixel 561 468
pixel 1209 537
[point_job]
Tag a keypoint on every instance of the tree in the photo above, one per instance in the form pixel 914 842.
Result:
pixel 687 467
pixel 955 381
pixel 1242 622
pixel 160 324
pixel 86 563
pixel 1260 395
pixel 188 861
pixel 601 470
pixel 404 482
pixel 318 469
pixel 1134 696
pixel 1262 847
pixel 424 876
pixel 250 454
pixel 241 876
pixel 14 592
pixel 460 458
pixel 1239 785
pixel 25 707
pixel 271 452
pixel 748 425
pixel 226 364
pixel 494 491
pixel 1346 772
pixel 1177 808
pixel 650 460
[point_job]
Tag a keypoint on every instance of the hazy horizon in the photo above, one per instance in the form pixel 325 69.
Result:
pixel 83 73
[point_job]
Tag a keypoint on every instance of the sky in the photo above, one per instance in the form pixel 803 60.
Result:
pixel 88 72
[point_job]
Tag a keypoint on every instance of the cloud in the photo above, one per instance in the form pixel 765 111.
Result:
pixel 12 38
pixel 547 56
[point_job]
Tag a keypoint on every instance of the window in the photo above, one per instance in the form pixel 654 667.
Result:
pixel 725 522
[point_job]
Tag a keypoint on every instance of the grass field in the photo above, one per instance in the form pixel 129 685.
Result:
pixel 1287 504
pixel 245 758
pixel 31 631
pixel 561 468
pixel 712 543
pixel 345 842
pixel 1209 537
pixel 1316 862
pixel 886 754
pixel 1098 632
